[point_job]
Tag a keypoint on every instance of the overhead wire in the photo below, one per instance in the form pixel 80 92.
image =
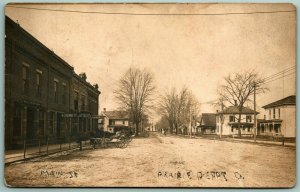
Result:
pixel 150 14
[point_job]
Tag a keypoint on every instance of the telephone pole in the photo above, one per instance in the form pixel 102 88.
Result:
pixel 190 123
pixel 254 112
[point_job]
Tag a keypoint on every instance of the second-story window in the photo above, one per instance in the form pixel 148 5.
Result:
pixel 64 95
pixel 25 85
pixel 278 113
pixel 76 101
pixel 269 113
pixel 82 102
pixel 55 91
pixel 231 118
pixel 274 113
pixel 38 84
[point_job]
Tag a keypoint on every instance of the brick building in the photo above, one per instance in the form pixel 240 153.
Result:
pixel 44 97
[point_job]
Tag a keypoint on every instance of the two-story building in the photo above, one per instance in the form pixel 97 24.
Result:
pixel 40 91
pixel 279 118
pixel 113 121
pixel 227 121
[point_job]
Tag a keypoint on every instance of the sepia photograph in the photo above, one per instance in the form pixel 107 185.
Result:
pixel 185 95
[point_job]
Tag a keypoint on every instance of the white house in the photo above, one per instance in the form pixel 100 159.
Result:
pixel 227 121
pixel 113 121
pixel 279 118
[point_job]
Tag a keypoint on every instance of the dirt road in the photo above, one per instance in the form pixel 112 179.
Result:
pixel 160 161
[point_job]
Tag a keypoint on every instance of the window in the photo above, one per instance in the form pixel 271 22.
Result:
pixel 25 84
pixel 248 118
pixel 111 122
pixel 278 113
pixel 231 118
pixel 17 122
pixel 81 124
pixel 123 122
pixel 41 122
pixel 50 122
pixel 64 95
pixel 55 91
pixel 76 97
pixel 74 128
pixel 269 113
pixel 274 113
pixel 82 102
pixel 38 84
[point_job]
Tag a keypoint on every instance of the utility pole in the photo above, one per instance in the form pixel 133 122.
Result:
pixel 190 123
pixel 254 112
pixel 221 118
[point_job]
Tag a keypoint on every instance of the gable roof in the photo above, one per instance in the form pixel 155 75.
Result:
pixel 208 119
pixel 235 110
pixel 290 100
pixel 116 114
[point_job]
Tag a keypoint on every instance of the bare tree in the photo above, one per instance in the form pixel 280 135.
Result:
pixel 135 92
pixel 238 88
pixel 179 108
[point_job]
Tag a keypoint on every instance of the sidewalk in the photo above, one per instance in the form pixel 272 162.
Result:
pixel 261 142
pixel 236 140
pixel 16 155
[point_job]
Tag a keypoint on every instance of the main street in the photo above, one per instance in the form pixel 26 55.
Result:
pixel 163 161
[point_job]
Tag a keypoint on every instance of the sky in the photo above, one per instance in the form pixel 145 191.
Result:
pixel 196 51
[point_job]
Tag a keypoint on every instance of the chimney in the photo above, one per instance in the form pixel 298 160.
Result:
pixel 235 102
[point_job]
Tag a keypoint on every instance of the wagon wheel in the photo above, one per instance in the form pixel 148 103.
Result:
pixel 103 143
pixel 122 143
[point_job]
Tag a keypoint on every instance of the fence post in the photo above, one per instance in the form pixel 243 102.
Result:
pixel 24 148
pixel 283 140
pixel 69 143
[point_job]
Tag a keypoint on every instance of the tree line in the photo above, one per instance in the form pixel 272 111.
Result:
pixel 179 108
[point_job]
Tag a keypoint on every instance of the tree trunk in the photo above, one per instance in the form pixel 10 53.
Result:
pixel 137 129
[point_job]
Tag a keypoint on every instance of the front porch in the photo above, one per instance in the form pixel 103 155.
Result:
pixel 269 127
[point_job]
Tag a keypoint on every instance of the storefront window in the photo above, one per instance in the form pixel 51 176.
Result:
pixel 41 122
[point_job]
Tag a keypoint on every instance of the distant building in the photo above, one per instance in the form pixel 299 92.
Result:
pixel 44 97
pixel 228 119
pixel 113 121
pixel 207 123
pixel 279 118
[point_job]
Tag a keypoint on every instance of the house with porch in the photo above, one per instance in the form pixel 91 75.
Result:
pixel 207 124
pixel 113 121
pixel 279 118
pixel 227 121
